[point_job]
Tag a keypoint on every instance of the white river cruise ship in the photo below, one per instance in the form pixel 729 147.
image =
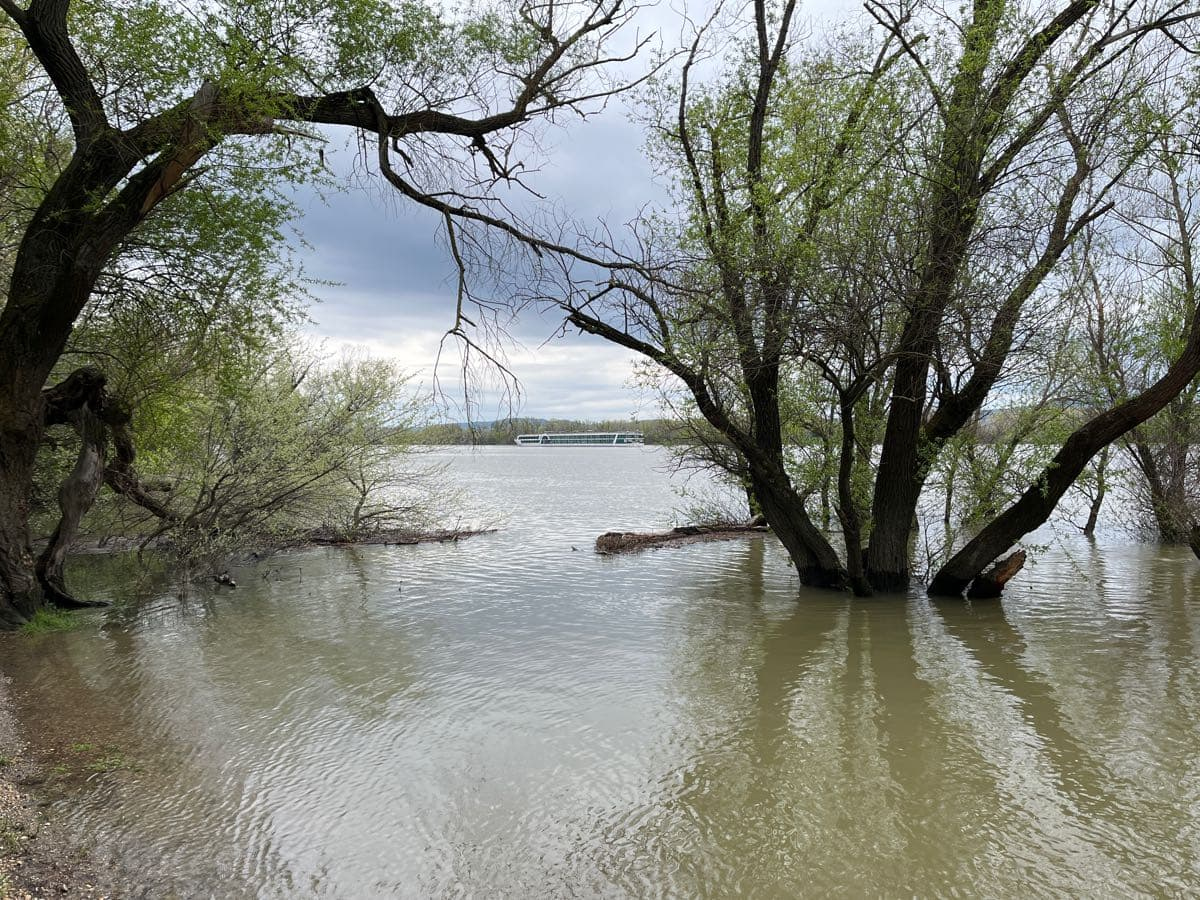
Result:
pixel 581 439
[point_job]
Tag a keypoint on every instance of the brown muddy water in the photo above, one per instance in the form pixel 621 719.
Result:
pixel 512 717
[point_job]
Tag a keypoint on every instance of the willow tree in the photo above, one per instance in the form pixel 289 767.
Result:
pixel 890 213
pixel 161 98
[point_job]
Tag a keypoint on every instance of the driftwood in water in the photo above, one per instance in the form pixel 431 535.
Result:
pixel 990 584
pixel 632 541
pixel 1194 540
pixel 326 537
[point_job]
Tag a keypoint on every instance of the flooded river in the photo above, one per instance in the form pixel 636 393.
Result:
pixel 513 716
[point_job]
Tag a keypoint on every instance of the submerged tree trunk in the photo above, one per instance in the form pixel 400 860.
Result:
pixel 1164 472
pixel 1089 529
pixel 816 561
pixel 990 584
pixel 897 488
pixel 847 507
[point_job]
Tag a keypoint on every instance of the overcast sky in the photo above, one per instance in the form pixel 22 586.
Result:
pixel 394 291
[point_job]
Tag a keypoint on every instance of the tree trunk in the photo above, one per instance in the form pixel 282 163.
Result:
pixel 1089 529
pixel 21 426
pixel 1163 470
pixel 826 483
pixel 752 503
pixel 847 508
pixel 75 498
pixel 25 410
pixel 1172 514
pixel 898 482
pixel 816 562
pixel 20 593
pixel 26 357
pixel 948 499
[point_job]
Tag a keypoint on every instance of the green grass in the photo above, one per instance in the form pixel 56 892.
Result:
pixel 11 839
pixel 111 762
pixel 47 621
pixel 108 758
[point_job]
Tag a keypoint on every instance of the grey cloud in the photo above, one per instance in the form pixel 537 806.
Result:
pixel 395 278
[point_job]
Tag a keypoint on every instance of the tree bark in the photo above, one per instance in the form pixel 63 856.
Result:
pixel 990 585
pixel 1089 528
pixel 75 498
pixel 20 593
pixel 21 428
pixel 816 561
pixel 1164 470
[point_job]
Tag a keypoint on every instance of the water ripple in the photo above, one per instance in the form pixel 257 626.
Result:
pixel 510 716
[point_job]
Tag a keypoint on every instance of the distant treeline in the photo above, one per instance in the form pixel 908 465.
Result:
pixel 505 431
pixel 993 426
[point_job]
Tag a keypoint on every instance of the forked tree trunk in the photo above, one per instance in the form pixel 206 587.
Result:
pixel 78 400
pixel 75 497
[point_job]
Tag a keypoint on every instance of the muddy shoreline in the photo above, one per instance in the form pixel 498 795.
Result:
pixel 38 857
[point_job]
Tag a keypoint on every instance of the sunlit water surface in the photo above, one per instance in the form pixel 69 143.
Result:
pixel 515 716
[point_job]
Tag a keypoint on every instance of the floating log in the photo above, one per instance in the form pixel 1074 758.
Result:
pixel 990 584
pixel 325 537
pixel 613 542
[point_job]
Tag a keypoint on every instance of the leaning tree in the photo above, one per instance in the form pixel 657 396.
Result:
pixel 162 98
